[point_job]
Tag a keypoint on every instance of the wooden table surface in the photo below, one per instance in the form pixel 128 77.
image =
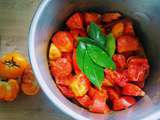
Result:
pixel 15 18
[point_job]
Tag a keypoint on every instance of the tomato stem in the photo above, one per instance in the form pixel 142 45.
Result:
pixel 11 63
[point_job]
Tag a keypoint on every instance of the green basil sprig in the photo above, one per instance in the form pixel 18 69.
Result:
pixel 94 53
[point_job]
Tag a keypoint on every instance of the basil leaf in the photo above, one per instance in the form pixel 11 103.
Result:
pixel 95 33
pixel 110 44
pixel 94 72
pixel 80 53
pixel 100 57
pixel 86 40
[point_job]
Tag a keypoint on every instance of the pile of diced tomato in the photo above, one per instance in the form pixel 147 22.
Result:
pixel 120 87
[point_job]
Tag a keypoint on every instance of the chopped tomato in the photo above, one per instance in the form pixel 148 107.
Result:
pixel 126 43
pixel 75 21
pixel 80 85
pixel 93 91
pixel 64 80
pixel 107 83
pixel 112 94
pixel 128 29
pixel 68 56
pixel 119 77
pixel 66 91
pixel 117 29
pixel 75 65
pixel 132 90
pixel 138 69
pixel 61 67
pixel 54 52
pixel 123 103
pixel 92 17
pixel 99 102
pixel 85 101
pixel 120 61
pixel 108 17
pixel 63 41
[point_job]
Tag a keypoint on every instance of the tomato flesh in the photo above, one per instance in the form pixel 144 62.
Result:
pixel 132 90
pixel 61 67
pixel 75 21
pixel 63 41
pixel 92 17
pixel 126 43
pixel 80 85
pixel 123 103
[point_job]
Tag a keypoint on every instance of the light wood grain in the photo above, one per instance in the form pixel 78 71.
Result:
pixel 15 18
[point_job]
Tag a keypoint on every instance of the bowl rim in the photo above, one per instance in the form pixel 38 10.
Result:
pixel 37 73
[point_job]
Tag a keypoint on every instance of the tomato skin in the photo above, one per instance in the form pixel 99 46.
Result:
pixel 128 29
pixel 75 21
pixel 113 94
pixel 107 83
pixel 75 65
pixel 118 77
pixel 29 85
pixel 12 65
pixel 61 67
pixel 63 41
pixel 80 85
pixel 67 56
pixel 108 17
pixel 120 61
pixel 132 90
pixel 117 29
pixel 92 17
pixel 64 80
pixel 123 103
pixel 9 90
pixel 85 101
pixel 99 102
pixel 138 69
pixel 127 43
pixel 66 91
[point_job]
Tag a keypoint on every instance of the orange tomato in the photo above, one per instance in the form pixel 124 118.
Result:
pixel 29 85
pixel 30 88
pixel 12 65
pixel 9 90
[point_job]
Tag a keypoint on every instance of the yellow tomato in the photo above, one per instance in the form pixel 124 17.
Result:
pixel 54 52
pixel 80 85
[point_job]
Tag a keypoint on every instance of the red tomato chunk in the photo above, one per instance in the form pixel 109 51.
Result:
pixel 61 67
pixel 63 41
